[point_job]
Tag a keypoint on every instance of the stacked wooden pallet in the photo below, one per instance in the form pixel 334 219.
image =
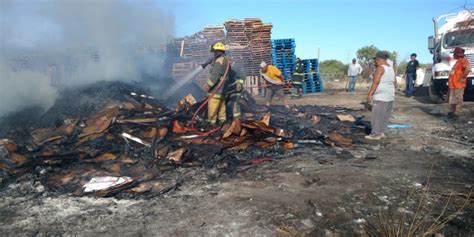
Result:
pixel 259 36
pixel 213 34
pixel 196 47
pixel 194 50
pixel 180 69
pixel 236 32
pixel 237 45
pixel 248 43
pixel 254 85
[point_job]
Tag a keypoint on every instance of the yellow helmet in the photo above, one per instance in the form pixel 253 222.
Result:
pixel 218 46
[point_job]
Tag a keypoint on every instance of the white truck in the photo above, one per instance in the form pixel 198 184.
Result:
pixel 450 31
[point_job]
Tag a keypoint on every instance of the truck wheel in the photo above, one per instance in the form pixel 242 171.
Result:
pixel 435 95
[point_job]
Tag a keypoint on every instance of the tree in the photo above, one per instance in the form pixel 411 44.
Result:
pixel 393 56
pixel 402 68
pixel 332 66
pixel 366 53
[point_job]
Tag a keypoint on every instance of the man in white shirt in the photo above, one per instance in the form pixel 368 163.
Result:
pixel 353 72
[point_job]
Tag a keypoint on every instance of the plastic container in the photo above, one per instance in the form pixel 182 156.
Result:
pixel 399 126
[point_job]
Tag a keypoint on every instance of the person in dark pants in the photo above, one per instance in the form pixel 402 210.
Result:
pixel 412 66
pixel 297 79
pixel 235 88
pixel 274 83
pixel 353 71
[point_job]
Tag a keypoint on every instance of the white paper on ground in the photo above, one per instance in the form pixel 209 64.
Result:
pixel 105 182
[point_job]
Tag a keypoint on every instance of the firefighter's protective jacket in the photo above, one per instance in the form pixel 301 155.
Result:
pixel 298 75
pixel 217 71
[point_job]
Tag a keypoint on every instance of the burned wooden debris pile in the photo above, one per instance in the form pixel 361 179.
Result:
pixel 136 144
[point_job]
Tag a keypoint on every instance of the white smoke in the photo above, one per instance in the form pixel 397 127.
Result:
pixel 24 88
pixel 76 42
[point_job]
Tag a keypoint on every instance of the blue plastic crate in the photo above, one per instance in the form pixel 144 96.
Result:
pixel 283 56
pixel 304 88
pixel 319 83
pixel 284 46
pixel 290 44
pixel 312 83
pixel 314 64
pixel 284 40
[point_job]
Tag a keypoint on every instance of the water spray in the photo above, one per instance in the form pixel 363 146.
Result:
pixel 182 81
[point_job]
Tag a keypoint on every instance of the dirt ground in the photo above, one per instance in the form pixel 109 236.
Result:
pixel 309 194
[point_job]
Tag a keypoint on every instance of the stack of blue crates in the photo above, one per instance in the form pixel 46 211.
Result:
pixel 312 79
pixel 283 56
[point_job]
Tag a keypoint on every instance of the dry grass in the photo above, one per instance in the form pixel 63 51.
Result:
pixel 424 221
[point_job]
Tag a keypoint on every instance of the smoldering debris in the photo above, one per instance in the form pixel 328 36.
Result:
pixel 135 144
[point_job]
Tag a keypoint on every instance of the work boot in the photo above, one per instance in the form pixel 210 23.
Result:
pixel 452 117
pixel 210 126
pixel 374 137
pixel 224 127
pixel 220 123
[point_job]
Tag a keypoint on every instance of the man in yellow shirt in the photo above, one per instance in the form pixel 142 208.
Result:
pixel 274 83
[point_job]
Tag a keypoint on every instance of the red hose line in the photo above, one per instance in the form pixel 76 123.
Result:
pixel 221 83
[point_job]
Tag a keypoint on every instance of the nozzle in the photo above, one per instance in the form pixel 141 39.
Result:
pixel 204 65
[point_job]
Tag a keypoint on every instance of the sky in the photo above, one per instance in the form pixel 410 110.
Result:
pixel 337 27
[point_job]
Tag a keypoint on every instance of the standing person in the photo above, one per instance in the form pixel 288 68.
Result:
pixel 457 82
pixel 274 82
pixel 235 88
pixel 216 105
pixel 353 72
pixel 297 79
pixel 412 66
pixel 381 95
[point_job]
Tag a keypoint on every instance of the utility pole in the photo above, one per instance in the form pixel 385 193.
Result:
pixel 319 60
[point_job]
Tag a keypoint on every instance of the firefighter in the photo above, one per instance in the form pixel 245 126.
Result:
pixel 235 88
pixel 216 113
pixel 297 79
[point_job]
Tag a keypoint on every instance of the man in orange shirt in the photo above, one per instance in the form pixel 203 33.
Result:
pixel 274 83
pixel 457 82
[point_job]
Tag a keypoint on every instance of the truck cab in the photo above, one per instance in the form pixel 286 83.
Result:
pixel 451 31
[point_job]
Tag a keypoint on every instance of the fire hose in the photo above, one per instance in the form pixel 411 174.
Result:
pixel 213 92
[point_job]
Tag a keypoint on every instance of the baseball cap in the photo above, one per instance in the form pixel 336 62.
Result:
pixel 381 55
pixel 459 52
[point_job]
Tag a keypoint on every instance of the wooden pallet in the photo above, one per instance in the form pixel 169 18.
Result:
pixel 253 84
